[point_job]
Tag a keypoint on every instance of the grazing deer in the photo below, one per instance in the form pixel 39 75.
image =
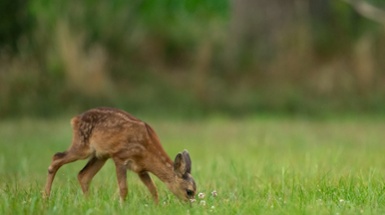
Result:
pixel 103 133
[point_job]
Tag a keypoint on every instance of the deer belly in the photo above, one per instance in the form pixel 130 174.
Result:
pixel 132 165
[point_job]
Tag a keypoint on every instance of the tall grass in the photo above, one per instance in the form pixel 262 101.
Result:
pixel 261 165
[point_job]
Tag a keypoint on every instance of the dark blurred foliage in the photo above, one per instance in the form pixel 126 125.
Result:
pixel 15 23
pixel 190 57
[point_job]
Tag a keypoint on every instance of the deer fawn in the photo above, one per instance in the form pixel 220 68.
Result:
pixel 103 133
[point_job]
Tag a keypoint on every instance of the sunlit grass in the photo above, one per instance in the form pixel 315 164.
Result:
pixel 258 165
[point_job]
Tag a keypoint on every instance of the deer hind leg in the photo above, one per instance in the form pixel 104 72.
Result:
pixel 146 179
pixel 58 160
pixel 89 171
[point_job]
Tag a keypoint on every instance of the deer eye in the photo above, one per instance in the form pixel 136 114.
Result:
pixel 189 192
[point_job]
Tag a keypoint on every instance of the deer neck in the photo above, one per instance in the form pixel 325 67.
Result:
pixel 163 169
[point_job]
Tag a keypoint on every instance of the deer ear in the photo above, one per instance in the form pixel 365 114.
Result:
pixel 187 158
pixel 180 165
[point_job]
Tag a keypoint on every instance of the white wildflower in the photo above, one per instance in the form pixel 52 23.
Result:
pixel 202 202
pixel 201 195
pixel 214 193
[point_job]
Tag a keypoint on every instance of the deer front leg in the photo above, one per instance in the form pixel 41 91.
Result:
pixel 146 179
pixel 121 173
pixel 89 171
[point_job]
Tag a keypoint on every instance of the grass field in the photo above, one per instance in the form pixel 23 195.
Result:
pixel 261 165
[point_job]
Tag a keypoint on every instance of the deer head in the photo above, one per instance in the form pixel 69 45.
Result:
pixel 184 185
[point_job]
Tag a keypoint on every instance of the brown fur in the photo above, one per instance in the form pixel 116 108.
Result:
pixel 103 133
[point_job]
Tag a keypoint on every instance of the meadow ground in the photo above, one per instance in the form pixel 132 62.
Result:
pixel 259 165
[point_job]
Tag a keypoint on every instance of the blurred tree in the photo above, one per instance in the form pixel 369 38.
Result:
pixel 15 22
pixel 232 55
pixel 256 26
pixel 368 10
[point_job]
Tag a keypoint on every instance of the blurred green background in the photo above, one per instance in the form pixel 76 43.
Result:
pixel 191 58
